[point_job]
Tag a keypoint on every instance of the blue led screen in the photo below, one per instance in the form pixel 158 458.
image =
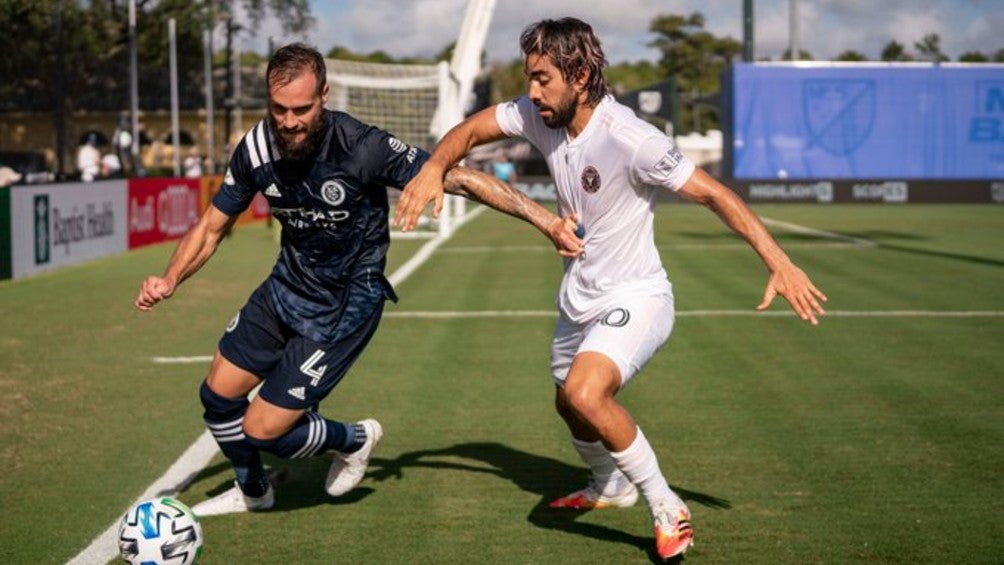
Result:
pixel 866 121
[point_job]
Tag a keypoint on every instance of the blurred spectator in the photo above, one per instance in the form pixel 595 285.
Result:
pixel 193 163
pixel 8 176
pixel 122 142
pixel 156 157
pixel 503 168
pixel 110 165
pixel 89 159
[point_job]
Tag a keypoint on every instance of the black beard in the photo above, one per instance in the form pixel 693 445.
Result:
pixel 306 149
pixel 563 114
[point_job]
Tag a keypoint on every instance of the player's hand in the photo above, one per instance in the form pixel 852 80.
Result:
pixel 152 291
pixel 427 186
pixel 564 234
pixel 794 285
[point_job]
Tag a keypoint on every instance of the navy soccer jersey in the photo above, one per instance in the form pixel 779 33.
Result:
pixel 334 215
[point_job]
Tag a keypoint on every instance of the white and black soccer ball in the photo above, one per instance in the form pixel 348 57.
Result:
pixel 160 531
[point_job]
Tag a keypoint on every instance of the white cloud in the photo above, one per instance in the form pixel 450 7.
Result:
pixel 826 27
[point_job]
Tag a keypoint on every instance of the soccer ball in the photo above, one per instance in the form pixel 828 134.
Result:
pixel 160 531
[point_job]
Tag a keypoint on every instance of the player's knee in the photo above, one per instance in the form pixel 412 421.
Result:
pixel 584 401
pixel 219 408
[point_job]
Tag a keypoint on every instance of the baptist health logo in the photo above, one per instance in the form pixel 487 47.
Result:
pixel 42 244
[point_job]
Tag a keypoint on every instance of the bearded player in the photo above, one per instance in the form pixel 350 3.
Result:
pixel 325 175
pixel 615 302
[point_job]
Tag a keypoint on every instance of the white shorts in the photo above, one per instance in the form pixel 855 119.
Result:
pixel 629 331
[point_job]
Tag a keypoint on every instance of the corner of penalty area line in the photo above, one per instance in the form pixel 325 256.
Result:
pixel 104 548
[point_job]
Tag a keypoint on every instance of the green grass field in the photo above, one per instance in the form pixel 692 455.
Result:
pixel 876 437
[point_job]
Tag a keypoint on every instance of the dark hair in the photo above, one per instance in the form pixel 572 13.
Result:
pixel 573 48
pixel 291 61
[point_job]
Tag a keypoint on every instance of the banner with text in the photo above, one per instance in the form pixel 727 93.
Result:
pixel 161 209
pixel 257 211
pixel 62 224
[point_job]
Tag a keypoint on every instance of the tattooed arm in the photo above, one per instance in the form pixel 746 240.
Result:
pixel 488 190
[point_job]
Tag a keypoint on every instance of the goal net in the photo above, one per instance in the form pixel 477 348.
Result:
pixel 415 103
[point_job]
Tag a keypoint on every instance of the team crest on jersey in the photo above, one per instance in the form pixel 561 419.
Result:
pixel 590 179
pixel 397 145
pixel 333 192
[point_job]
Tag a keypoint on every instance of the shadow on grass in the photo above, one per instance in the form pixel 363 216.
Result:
pixel 881 239
pixel 297 483
pixel 943 255
pixel 544 476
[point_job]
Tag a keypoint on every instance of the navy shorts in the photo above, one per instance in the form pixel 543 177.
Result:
pixel 298 373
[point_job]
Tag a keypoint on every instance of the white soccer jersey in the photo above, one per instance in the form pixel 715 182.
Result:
pixel 608 175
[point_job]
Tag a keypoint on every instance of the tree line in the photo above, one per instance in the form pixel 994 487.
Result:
pixel 66 55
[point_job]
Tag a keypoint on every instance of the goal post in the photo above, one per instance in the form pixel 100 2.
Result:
pixel 416 103
pixel 402 99
pixel 408 101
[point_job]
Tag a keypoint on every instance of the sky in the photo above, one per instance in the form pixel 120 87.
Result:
pixel 826 28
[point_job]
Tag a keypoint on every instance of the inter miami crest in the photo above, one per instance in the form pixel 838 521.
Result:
pixel 590 179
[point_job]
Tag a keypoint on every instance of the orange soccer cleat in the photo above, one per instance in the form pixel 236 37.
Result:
pixel 673 533
pixel 590 498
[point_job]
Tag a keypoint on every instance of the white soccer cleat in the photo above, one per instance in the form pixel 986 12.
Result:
pixel 591 498
pixel 233 501
pixel 348 469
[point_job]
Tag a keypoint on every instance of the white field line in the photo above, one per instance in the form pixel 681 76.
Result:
pixel 434 314
pixel 796 228
pixel 462 249
pixel 104 548
pixel 183 360
pixel 405 270
pixel 412 235
pixel 835 240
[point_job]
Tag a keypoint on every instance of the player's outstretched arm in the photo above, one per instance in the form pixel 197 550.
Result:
pixel 488 190
pixel 785 278
pixel 427 186
pixel 194 249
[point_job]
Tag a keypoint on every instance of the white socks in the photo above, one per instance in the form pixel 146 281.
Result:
pixel 639 464
pixel 607 477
